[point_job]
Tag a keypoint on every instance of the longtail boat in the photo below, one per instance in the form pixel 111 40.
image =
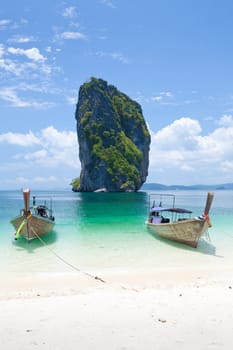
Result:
pixel 35 221
pixel 172 223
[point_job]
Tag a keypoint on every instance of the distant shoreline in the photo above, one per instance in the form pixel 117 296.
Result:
pixel 157 186
pixel 145 187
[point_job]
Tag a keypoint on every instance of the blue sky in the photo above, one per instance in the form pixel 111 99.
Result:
pixel 175 57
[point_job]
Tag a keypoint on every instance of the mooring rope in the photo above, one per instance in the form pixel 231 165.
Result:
pixel 65 261
pixel 207 235
pixel 75 267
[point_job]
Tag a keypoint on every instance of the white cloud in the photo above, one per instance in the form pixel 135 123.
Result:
pixel 48 158
pixel 70 12
pixel 156 98
pixel 166 94
pixel 35 156
pixel 19 180
pixel 44 180
pixel 179 151
pixel 19 66
pixel 72 36
pixel 21 39
pixel 10 67
pixel 71 100
pixel 48 148
pixel 38 180
pixel 10 95
pixel 226 120
pixel 165 98
pixel 181 133
pixel 32 54
pixel 49 138
pixel 109 3
pixel 13 64
pixel 114 55
pixel 2 51
pixel 4 23
pixel 162 97
pixel 58 139
pixel 24 140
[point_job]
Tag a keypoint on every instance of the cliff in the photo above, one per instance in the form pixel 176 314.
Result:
pixel 113 139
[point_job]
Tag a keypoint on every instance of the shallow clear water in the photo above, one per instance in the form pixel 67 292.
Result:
pixel 107 230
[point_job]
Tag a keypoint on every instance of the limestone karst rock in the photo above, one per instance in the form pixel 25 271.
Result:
pixel 113 139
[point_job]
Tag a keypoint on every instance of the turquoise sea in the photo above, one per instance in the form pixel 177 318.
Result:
pixel 98 231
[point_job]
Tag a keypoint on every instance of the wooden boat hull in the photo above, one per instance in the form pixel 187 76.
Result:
pixel 186 231
pixel 32 226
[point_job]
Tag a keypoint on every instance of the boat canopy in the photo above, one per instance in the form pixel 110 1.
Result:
pixel 157 198
pixel 173 210
pixel 157 209
pixel 180 211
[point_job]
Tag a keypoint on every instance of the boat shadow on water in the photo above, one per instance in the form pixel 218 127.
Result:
pixel 204 246
pixel 35 244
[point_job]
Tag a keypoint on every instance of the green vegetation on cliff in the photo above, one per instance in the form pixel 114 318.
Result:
pixel 75 183
pixel 114 131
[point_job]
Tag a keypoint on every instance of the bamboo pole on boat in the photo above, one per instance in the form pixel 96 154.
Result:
pixel 209 201
pixel 26 197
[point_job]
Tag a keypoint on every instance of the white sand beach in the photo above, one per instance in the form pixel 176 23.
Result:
pixel 156 309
